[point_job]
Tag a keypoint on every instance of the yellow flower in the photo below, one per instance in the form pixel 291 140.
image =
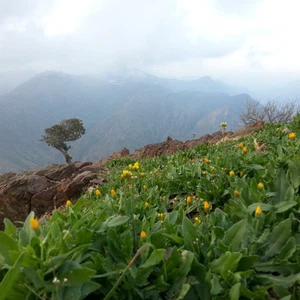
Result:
pixel 112 192
pixel 212 169
pixel 206 160
pixel 135 166
pixel 292 135
pixel 260 185
pixel 203 172
pixel 245 149
pixel 240 145
pixel 258 211
pixel 160 198
pixel 98 193
pixel 146 204
pixel 142 174
pixel 34 223
pixel 231 173
pixel 126 174
pixel 143 234
pixel 130 167
pixel 68 203
pixel 144 187
pixel 241 173
pixel 189 199
pixel 236 193
pixel 224 124
pixel 197 220
pixel 206 205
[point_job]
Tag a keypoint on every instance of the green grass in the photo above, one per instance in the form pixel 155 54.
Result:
pixel 153 239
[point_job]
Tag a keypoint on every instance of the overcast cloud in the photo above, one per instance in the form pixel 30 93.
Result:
pixel 222 38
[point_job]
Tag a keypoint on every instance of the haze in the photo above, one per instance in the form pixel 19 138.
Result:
pixel 253 44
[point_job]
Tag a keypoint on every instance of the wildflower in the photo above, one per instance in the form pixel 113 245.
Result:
pixel 258 211
pixel 212 169
pixel 126 174
pixel 98 193
pixel 231 173
pixel 224 125
pixel 292 135
pixel 130 167
pixel 55 280
pixel 260 185
pixel 160 198
pixel 144 187
pixel 224 169
pixel 245 149
pixel 240 145
pixel 241 173
pixel 146 204
pixel 112 192
pixel 68 203
pixel 203 172
pixel 136 166
pixel 206 160
pixel 236 193
pixel 189 199
pixel 142 174
pixel 197 220
pixel 206 205
pixel 143 234
pixel 34 223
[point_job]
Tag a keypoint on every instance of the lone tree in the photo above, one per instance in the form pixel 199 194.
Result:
pixel 66 131
pixel 271 111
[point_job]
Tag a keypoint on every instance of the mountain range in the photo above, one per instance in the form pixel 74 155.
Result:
pixel 125 109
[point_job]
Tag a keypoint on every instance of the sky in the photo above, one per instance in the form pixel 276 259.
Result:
pixel 239 41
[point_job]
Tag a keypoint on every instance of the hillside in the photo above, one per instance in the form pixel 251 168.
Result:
pixel 212 222
pixel 129 110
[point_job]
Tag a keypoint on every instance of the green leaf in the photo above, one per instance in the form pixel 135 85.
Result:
pixel 11 277
pixel 235 235
pixel 216 287
pixel 234 292
pixel 286 282
pixel 287 250
pixel 7 244
pixel 284 206
pixel 246 262
pixel 278 238
pixel 117 221
pixel 294 172
pixel 156 257
pixel 26 233
pixel 113 241
pixel 10 228
pixel 281 186
pixel 184 290
pixel 290 194
pixel 189 233
pixel 177 239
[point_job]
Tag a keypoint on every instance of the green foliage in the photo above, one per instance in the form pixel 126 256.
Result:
pixel 66 131
pixel 155 237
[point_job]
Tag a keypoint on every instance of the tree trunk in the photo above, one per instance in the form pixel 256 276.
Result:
pixel 67 157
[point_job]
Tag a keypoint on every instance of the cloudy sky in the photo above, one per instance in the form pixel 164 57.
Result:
pixel 238 40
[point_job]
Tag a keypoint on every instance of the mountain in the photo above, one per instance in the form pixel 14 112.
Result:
pixel 117 110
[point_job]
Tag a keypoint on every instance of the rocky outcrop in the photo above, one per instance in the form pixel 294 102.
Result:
pixel 43 190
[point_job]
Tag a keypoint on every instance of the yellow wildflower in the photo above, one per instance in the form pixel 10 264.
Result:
pixel 68 203
pixel 206 160
pixel 236 193
pixel 34 223
pixel 98 193
pixel 224 124
pixel 241 173
pixel 203 172
pixel 189 199
pixel 240 145
pixel 136 166
pixel 231 173
pixel 258 211
pixel 245 149
pixel 126 174
pixel 160 198
pixel 206 205
pixel 144 187
pixel 260 185
pixel 212 169
pixel 292 135
pixel 130 167
pixel 112 192
pixel 143 234
pixel 146 204
pixel 197 220
pixel 142 174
